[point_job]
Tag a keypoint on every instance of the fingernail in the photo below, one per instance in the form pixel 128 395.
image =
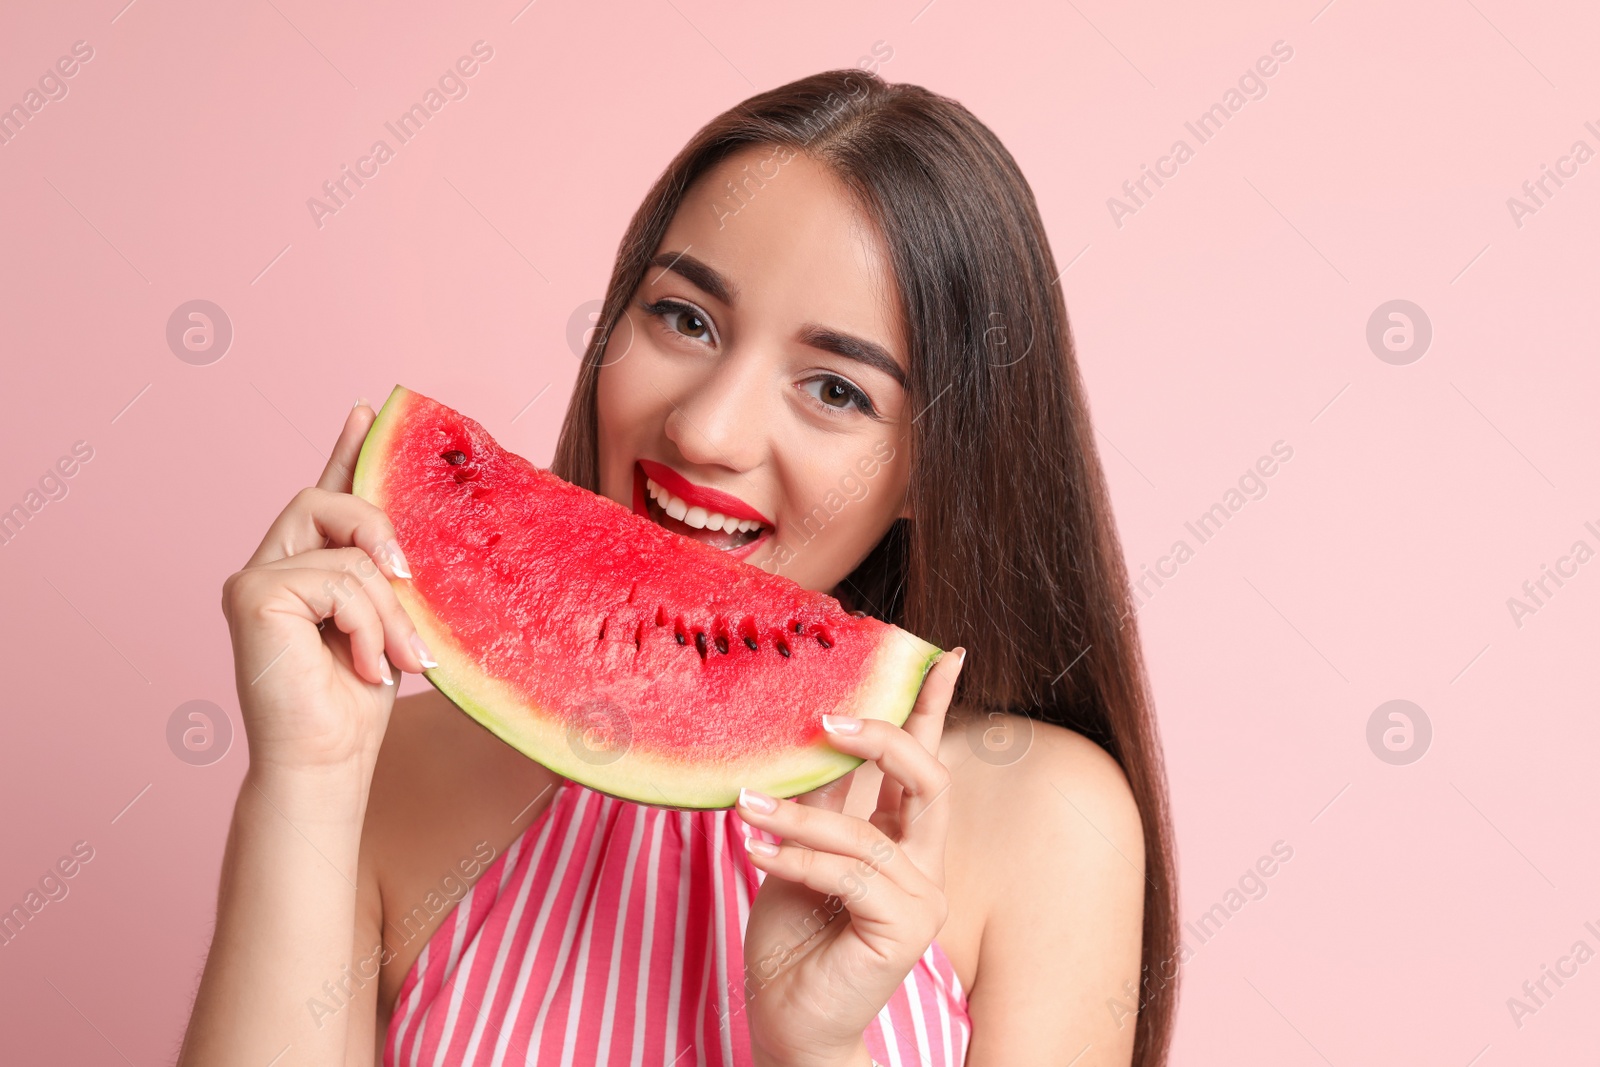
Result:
pixel 757 801
pixel 962 658
pixel 759 847
pixel 422 652
pixel 358 403
pixel 397 559
pixel 383 670
pixel 841 724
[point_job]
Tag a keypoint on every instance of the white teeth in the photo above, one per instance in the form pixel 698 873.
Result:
pixel 697 517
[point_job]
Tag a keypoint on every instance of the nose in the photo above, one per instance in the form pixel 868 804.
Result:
pixel 723 417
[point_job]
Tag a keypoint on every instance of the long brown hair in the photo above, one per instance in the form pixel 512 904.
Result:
pixel 1012 552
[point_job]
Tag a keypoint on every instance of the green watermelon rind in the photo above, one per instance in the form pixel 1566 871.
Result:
pixel 889 692
pixel 889 689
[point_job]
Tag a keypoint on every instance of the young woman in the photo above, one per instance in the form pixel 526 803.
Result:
pixel 835 317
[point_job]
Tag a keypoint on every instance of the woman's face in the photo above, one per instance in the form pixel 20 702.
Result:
pixel 752 396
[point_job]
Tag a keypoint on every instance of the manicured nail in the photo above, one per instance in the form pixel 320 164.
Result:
pixel 757 801
pixel 358 403
pixel 841 724
pixel 759 847
pixel 383 670
pixel 397 559
pixel 422 652
pixel 962 658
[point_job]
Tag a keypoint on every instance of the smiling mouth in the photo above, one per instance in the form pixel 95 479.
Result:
pixel 672 512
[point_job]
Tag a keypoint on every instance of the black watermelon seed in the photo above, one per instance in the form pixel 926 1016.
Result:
pixel 722 644
pixel 700 642
pixel 750 643
pixel 679 637
pixel 824 642
pixel 783 649
pixel 799 627
pixel 453 457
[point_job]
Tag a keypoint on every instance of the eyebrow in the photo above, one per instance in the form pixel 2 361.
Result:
pixel 859 349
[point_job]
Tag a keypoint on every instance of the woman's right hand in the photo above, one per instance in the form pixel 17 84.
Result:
pixel 314 696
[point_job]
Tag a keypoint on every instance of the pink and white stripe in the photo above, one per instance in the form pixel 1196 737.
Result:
pixel 612 933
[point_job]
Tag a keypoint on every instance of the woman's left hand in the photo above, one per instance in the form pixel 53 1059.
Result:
pixel 849 904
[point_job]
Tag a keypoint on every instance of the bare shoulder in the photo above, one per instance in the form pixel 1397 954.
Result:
pixel 1052 844
pixel 1019 777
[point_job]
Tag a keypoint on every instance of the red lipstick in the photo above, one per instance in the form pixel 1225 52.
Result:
pixel 713 500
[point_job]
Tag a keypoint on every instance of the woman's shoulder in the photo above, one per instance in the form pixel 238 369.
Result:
pixel 1049 835
pixel 1004 760
pixel 1040 811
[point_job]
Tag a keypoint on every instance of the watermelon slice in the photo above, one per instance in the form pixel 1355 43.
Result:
pixel 621 655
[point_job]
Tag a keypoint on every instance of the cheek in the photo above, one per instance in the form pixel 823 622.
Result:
pixel 846 505
pixel 621 422
pixel 622 400
pixel 634 386
pixel 632 404
pixel 606 402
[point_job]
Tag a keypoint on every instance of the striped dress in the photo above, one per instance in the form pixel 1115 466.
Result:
pixel 612 933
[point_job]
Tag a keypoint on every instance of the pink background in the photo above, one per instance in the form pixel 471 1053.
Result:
pixel 1226 314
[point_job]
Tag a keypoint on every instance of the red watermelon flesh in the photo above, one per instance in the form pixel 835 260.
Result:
pixel 624 656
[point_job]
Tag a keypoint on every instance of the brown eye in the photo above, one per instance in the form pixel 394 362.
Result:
pixel 680 318
pixel 695 325
pixel 838 394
